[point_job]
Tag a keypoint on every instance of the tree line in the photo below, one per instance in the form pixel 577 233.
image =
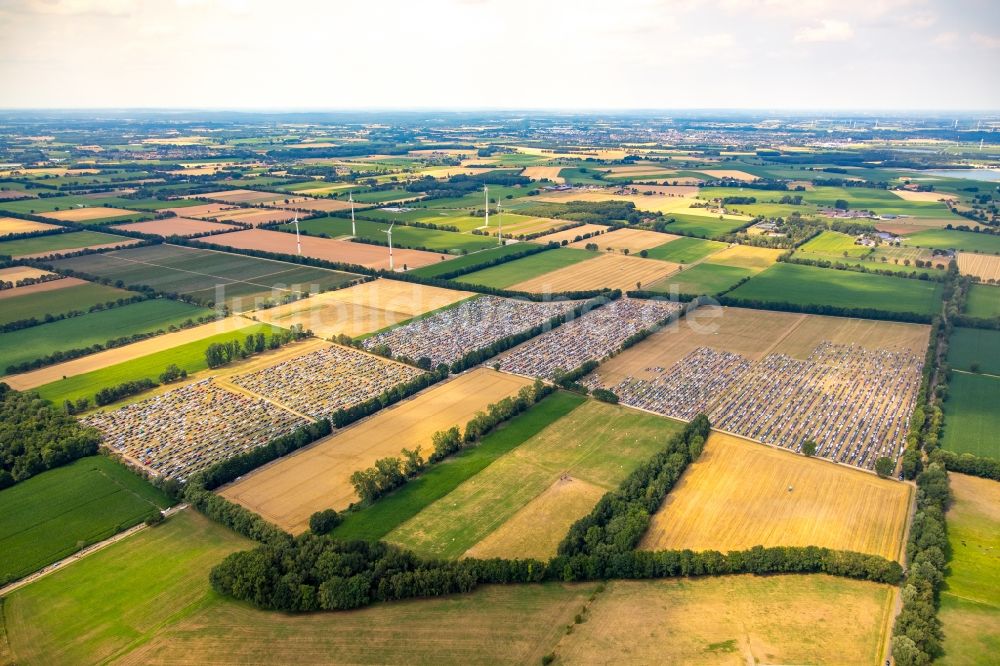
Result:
pixel 219 354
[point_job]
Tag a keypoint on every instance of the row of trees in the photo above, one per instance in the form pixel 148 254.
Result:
pixel 825 309
pixel 48 318
pixel 111 394
pixel 34 437
pixel 218 354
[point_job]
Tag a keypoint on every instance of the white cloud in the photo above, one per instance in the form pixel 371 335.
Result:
pixel 828 30
pixel 945 38
pixel 988 41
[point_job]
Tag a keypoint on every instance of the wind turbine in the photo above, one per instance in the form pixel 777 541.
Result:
pixel 388 232
pixel 350 197
pixel 298 239
pixel 486 193
pixel 499 224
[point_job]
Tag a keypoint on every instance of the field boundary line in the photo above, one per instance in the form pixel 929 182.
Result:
pixel 80 554
pixel 976 374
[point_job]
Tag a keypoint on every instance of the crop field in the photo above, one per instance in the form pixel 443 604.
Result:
pixel 812 619
pixel 983 301
pixel 363 308
pixel 971 417
pixel 833 245
pixel 16 273
pixel 570 235
pixel 73 201
pixel 540 172
pixel 595 445
pixel 247 197
pixel 732 364
pixel 361 254
pixel 376 520
pixel 322 205
pixel 970 347
pixel 520 270
pixel 39 246
pixel 28 344
pixel 450 264
pixel 612 271
pixel 318 477
pixel 950 239
pixel 746 256
pixel 14 225
pixel 970 601
pixel 703 226
pixel 93 214
pixel 685 250
pixel 189 357
pixel 632 240
pixel 882 202
pixel 519 226
pixel 402 236
pixel 205 276
pixel 203 210
pixel 254 216
pixel 56 513
pixel 705 278
pixel 739 494
pixel 984 266
pixel 808 285
pixel 175 226
pixel 55 298
pixel 460 219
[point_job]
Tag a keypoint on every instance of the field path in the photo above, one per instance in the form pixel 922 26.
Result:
pixel 80 554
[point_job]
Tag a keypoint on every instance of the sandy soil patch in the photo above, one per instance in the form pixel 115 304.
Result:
pixel 370 256
pixel 910 195
pixel 13 225
pixel 51 285
pixel 539 172
pixel 109 357
pixel 175 226
pixel 570 234
pixel 318 477
pixel 614 271
pixel 739 494
pixel 633 240
pixel 986 266
pixel 88 213
pixel 361 309
pixel 562 504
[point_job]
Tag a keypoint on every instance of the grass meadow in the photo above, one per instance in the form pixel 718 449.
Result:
pixel 519 270
pixel 77 297
pixel 702 226
pixel 705 278
pixel 983 301
pixel 402 236
pixel 464 261
pixel 951 239
pixel 969 346
pixel 56 513
pixel 72 240
pixel 685 250
pixel 971 417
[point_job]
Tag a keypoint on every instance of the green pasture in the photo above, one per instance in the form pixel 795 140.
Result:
pixel 519 270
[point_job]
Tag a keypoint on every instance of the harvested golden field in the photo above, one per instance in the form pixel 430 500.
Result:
pixel 986 266
pixel 910 195
pixel 740 494
pixel 555 511
pixel 912 225
pixel 363 308
pixel 755 333
pixel 614 271
pixel 729 173
pixel 15 273
pixel 247 196
pixel 637 170
pixel 323 205
pixel 668 190
pixel 51 285
pixel 522 225
pixel 88 213
pixel 449 171
pixel 633 240
pixel 13 225
pixel 254 216
pixel 747 256
pixel 371 256
pixel 652 202
pixel 175 226
pixel 570 234
pixel 290 490
pixel 115 355
pixel 203 210
pixel 813 619
pixel 540 172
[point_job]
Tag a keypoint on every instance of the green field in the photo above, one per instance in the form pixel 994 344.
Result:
pixel 476 199
pixel 685 250
pixel 381 196
pixel 189 356
pixel 970 601
pixel 458 218
pixel 705 278
pixel 833 245
pixel 49 204
pixel 73 240
pixel 969 346
pixel 882 202
pixel 811 286
pixel 471 259
pixel 80 332
pixel 402 236
pixel 701 226
pixel 204 275
pixel 971 417
pixel 58 301
pixel 596 443
pixel 377 520
pixel 519 270
pixel 58 512
pixel 950 239
pixel 983 301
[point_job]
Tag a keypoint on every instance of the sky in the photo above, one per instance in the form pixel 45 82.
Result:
pixel 906 55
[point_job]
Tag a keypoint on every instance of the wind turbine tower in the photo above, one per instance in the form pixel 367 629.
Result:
pixel 388 232
pixel 486 193
pixel 350 197
pixel 499 224
pixel 298 239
